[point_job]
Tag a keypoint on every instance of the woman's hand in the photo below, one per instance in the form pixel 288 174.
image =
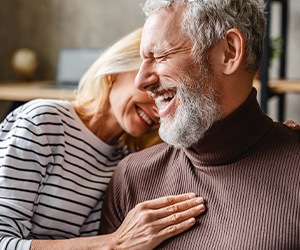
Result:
pixel 151 222
pixel 145 227
pixel 292 125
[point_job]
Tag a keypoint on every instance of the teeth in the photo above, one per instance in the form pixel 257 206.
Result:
pixel 162 101
pixel 144 116
pixel 168 95
pixel 165 96
pixel 162 93
pixel 162 96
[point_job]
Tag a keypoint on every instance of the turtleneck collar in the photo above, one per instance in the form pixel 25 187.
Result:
pixel 233 137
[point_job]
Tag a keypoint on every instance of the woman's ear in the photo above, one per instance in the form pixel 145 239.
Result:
pixel 234 51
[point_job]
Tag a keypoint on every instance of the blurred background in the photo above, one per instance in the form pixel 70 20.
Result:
pixel 46 26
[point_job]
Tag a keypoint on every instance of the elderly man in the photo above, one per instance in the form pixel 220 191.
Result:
pixel 199 61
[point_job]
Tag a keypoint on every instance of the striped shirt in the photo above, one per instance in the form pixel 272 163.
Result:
pixel 53 174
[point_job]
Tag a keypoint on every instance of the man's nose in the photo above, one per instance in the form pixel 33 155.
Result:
pixel 146 78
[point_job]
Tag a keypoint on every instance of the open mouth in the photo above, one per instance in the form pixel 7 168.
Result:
pixel 144 116
pixel 164 100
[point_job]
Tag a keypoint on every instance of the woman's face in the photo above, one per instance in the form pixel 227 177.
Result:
pixel 134 111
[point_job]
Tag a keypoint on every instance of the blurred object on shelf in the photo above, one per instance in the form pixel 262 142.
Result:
pixel 24 63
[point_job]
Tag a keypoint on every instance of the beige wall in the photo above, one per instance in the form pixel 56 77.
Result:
pixel 47 25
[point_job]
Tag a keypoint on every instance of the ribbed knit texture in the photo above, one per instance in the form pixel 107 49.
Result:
pixel 247 167
pixel 53 174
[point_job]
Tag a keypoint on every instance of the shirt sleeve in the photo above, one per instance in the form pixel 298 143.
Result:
pixel 24 155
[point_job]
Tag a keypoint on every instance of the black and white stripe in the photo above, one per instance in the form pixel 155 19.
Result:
pixel 53 175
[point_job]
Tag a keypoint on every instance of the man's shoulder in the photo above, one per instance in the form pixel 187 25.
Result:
pixel 149 158
pixel 285 134
pixel 138 171
pixel 161 150
pixel 283 142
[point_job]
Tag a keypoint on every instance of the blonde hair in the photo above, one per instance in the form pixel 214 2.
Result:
pixel 95 85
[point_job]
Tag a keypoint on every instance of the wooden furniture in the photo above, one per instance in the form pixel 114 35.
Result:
pixel 280 86
pixel 283 85
pixel 25 91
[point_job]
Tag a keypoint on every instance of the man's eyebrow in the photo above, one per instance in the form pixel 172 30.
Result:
pixel 170 51
pixel 160 50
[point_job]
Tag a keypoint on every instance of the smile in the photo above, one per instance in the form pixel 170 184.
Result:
pixel 164 100
pixel 144 116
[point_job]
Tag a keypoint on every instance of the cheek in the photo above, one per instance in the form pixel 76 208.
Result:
pixel 143 97
pixel 117 102
pixel 122 92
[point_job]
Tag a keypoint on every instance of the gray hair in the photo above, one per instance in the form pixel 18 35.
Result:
pixel 206 22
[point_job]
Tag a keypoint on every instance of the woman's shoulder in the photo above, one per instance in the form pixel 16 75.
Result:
pixel 45 106
pixel 37 112
pixel 43 109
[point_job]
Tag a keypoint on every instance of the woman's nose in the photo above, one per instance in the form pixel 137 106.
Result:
pixel 146 77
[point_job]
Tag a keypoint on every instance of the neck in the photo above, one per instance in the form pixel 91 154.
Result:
pixel 103 125
pixel 236 93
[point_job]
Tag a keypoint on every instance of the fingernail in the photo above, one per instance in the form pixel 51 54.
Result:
pixel 192 195
pixel 192 220
pixel 199 200
pixel 201 207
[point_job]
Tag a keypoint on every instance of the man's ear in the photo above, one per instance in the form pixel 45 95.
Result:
pixel 233 52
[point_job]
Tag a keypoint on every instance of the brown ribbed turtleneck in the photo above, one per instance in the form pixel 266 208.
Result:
pixel 246 167
pixel 233 137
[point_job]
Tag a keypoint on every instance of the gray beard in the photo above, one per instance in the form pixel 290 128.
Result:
pixel 193 117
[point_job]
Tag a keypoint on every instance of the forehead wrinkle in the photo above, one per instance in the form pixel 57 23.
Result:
pixel 168 48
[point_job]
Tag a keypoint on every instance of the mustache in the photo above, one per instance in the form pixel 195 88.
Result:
pixel 160 90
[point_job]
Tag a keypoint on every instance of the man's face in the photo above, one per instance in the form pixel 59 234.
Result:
pixel 181 87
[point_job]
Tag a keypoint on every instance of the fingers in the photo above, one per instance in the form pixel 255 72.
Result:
pixel 152 222
pixel 173 230
pixel 176 223
pixel 291 124
pixel 171 214
pixel 183 214
pixel 188 208
pixel 171 205
pixel 166 201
